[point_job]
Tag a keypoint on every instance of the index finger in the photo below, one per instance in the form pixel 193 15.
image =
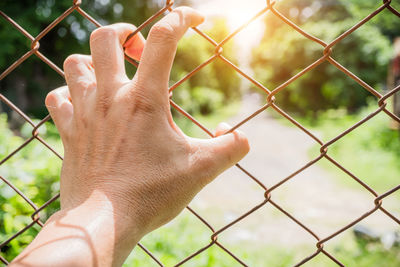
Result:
pixel 159 51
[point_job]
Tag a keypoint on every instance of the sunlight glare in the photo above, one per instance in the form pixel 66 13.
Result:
pixel 237 13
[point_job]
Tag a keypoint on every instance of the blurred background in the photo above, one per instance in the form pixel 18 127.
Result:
pixel 324 100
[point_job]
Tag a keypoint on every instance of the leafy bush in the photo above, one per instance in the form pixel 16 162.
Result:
pixel 35 171
pixel 200 100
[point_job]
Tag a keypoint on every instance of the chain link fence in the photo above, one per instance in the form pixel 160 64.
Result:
pixel 382 101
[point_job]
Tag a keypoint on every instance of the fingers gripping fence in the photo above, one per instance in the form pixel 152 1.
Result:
pixel 270 104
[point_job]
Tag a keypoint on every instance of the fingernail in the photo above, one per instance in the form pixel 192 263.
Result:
pixel 135 53
pixel 134 46
pixel 129 41
pixel 138 37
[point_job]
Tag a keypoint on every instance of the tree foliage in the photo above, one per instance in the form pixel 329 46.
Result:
pixel 28 85
pixel 213 85
pixel 30 82
pixel 366 52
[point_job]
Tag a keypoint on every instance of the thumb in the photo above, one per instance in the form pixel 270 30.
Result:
pixel 220 153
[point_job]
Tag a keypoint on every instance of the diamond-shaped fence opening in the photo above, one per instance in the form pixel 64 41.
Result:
pixel 266 193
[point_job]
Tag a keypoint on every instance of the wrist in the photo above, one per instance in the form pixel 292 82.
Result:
pixel 105 225
pixel 86 235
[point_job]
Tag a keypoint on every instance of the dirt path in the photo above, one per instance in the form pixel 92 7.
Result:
pixel 313 197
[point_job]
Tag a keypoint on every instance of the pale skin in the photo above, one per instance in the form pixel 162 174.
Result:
pixel 127 169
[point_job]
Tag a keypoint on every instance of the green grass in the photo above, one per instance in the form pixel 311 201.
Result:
pixel 371 152
pixel 185 235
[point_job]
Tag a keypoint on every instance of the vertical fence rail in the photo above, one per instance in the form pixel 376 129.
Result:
pixel 326 56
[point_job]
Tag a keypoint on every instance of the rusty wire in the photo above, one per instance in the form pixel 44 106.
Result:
pixel 270 104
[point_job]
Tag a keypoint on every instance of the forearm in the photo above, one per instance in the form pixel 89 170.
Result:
pixel 83 236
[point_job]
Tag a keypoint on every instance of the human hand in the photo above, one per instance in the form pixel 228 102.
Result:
pixel 119 137
pixel 124 155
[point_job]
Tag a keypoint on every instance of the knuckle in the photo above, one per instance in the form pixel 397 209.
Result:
pixel 183 10
pixel 50 99
pixel 83 82
pixel 142 104
pixel 188 14
pixel 83 121
pixel 103 105
pixel 72 61
pixel 163 31
pixel 138 100
pixel 102 33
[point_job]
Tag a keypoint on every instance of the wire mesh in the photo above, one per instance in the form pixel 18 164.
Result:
pixel 382 101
